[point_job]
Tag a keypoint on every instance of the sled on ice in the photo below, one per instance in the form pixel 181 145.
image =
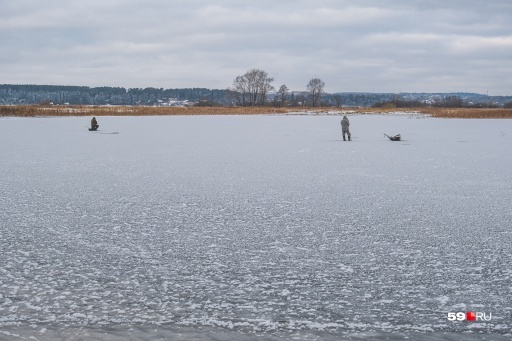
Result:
pixel 397 137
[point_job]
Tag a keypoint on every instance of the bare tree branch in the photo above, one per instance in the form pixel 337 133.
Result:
pixel 316 88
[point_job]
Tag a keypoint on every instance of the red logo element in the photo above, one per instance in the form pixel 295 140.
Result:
pixel 470 316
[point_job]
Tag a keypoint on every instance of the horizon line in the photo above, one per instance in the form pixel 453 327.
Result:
pixel 294 91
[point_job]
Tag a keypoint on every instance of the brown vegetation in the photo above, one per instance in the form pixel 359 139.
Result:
pixel 39 110
pixel 49 111
pixel 468 112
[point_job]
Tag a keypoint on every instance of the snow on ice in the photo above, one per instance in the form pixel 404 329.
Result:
pixel 250 226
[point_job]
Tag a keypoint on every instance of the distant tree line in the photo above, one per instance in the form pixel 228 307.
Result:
pixel 254 88
pixel 82 95
pixel 448 101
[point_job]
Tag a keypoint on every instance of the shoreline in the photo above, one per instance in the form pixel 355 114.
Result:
pixel 81 111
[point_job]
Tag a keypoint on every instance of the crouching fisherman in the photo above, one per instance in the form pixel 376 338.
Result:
pixel 94 124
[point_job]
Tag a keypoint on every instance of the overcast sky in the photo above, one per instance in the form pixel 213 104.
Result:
pixel 368 45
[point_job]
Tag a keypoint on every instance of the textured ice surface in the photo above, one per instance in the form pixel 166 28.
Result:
pixel 254 225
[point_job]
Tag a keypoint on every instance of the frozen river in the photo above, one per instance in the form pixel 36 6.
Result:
pixel 251 227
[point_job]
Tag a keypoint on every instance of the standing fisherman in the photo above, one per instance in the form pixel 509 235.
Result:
pixel 344 127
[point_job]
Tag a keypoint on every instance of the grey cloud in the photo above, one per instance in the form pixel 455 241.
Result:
pixel 363 46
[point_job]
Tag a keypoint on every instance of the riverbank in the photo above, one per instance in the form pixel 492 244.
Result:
pixel 52 111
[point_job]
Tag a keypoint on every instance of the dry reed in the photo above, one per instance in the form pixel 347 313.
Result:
pixel 37 111
pixel 468 112
pixel 49 111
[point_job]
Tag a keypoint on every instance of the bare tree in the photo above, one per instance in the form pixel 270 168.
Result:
pixel 265 87
pixel 240 89
pixel 252 87
pixel 316 88
pixel 282 93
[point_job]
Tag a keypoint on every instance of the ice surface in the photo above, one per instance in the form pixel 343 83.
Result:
pixel 238 227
